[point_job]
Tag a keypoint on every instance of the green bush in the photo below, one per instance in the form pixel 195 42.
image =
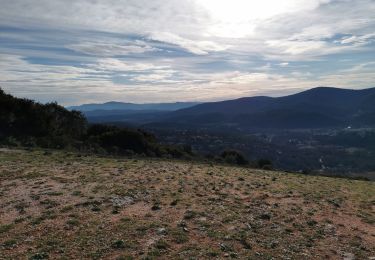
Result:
pixel 234 157
pixel 264 164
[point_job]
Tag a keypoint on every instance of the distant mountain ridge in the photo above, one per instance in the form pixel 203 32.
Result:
pixel 319 107
pixel 314 108
pixel 113 105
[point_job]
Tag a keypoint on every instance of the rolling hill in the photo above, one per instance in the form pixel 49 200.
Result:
pixel 315 108
pixel 128 113
pixel 321 107
pixel 118 106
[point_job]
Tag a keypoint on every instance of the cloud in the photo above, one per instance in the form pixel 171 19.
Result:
pixel 161 50
pixel 157 77
pixel 295 48
pixel 200 26
pixel 94 82
pixel 110 49
pixel 120 16
pixel 359 40
pixel 195 47
pixel 116 65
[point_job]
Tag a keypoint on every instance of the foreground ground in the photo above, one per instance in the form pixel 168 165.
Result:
pixel 60 205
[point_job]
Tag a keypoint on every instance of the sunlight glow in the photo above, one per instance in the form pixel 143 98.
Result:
pixel 238 18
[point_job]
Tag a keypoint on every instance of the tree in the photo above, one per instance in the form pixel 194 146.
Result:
pixel 234 157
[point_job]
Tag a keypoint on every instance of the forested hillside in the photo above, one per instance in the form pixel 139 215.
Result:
pixel 31 123
pixel 24 122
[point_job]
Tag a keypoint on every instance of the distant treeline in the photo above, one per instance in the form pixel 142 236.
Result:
pixel 29 123
pixel 24 122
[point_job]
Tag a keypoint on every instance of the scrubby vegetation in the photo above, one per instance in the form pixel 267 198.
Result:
pixel 234 157
pixel 27 123
pixel 126 141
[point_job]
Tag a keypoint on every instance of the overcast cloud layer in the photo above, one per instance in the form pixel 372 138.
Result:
pixel 183 50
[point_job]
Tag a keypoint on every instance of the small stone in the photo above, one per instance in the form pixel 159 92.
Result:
pixel 122 201
pixel 348 256
pixel 329 229
pixel 182 223
pixel 161 231
pixel 224 247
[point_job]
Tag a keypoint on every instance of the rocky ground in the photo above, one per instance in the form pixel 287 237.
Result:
pixel 61 205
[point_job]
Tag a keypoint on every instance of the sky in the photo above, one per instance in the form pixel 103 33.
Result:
pixel 142 51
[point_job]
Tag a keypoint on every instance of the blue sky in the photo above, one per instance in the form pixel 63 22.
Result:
pixel 140 51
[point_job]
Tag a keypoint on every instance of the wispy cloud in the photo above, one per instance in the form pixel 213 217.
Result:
pixel 195 47
pixel 165 50
pixel 111 49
